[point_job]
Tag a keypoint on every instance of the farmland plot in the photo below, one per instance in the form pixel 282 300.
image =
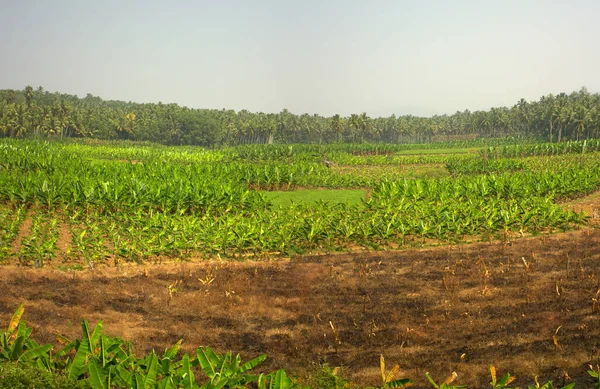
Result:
pixel 158 228
pixel 494 303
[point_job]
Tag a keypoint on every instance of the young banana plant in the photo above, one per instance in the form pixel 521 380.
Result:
pixel 595 373
pixel 549 385
pixel 446 383
pixel 225 370
pixel 501 383
pixel 16 345
pixel 387 378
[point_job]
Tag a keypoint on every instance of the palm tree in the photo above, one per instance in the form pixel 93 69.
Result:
pixel 336 123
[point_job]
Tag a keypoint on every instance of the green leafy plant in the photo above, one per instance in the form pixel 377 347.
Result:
pixel 226 370
pixel 550 385
pixel 277 380
pixel 326 377
pixel 595 373
pixel 16 344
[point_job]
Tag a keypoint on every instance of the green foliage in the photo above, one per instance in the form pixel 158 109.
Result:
pixel 16 344
pixel 543 149
pixel 103 362
pixel 15 375
pixel 10 220
pixel 595 373
pixel 483 166
pixel 550 385
pixel 179 201
pixel 350 196
pixel 38 113
pixel 326 377
pixel 226 370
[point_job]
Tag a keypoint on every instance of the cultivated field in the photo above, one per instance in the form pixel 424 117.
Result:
pixel 442 258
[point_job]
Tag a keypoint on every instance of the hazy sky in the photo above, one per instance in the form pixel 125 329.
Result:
pixel 321 56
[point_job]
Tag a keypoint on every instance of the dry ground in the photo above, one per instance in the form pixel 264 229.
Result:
pixel 494 303
pixel 527 306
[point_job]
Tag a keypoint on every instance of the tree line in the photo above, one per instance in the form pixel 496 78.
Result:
pixel 38 113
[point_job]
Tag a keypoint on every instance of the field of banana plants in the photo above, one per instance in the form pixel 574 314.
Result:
pixel 92 202
pixel 441 258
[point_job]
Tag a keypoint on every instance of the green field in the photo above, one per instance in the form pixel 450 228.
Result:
pixel 78 205
pixel 135 202
pixel 457 150
pixel 331 196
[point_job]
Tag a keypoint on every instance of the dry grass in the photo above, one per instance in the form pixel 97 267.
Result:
pixel 444 297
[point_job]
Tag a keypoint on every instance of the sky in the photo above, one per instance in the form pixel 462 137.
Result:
pixel 309 56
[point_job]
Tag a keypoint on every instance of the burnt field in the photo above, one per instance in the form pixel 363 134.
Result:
pixel 527 306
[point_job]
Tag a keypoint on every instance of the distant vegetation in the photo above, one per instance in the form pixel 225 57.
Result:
pixel 35 112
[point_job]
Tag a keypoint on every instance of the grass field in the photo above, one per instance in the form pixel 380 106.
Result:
pixel 439 151
pixel 332 196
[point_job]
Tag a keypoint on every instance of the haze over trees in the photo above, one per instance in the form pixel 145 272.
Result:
pixel 39 113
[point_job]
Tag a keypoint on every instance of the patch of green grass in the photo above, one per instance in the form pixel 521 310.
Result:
pixel 350 196
pixel 102 161
pixel 18 376
pixel 395 172
pixel 438 151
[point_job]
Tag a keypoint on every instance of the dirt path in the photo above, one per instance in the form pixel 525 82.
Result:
pixel 64 241
pixel 590 205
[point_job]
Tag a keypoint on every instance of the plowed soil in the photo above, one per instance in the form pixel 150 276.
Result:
pixel 527 306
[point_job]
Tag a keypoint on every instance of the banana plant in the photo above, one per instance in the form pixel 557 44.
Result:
pixel 277 380
pixel 85 349
pixel 501 383
pixel 16 344
pixel 595 373
pixel 387 378
pixel 550 385
pixel 224 370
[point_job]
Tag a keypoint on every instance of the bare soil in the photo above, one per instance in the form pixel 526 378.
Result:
pixel 590 205
pixel 24 230
pixel 527 307
pixel 64 239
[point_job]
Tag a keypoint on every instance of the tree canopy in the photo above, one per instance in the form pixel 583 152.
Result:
pixel 36 112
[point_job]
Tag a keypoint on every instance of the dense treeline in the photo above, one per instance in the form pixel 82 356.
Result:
pixel 36 112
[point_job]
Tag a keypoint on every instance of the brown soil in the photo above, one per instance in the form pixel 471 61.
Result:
pixel 64 241
pixel 24 230
pixel 493 303
pixel 590 205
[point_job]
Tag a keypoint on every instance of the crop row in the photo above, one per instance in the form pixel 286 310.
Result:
pixel 542 149
pixel 11 218
pixel 135 211
pixel 390 221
